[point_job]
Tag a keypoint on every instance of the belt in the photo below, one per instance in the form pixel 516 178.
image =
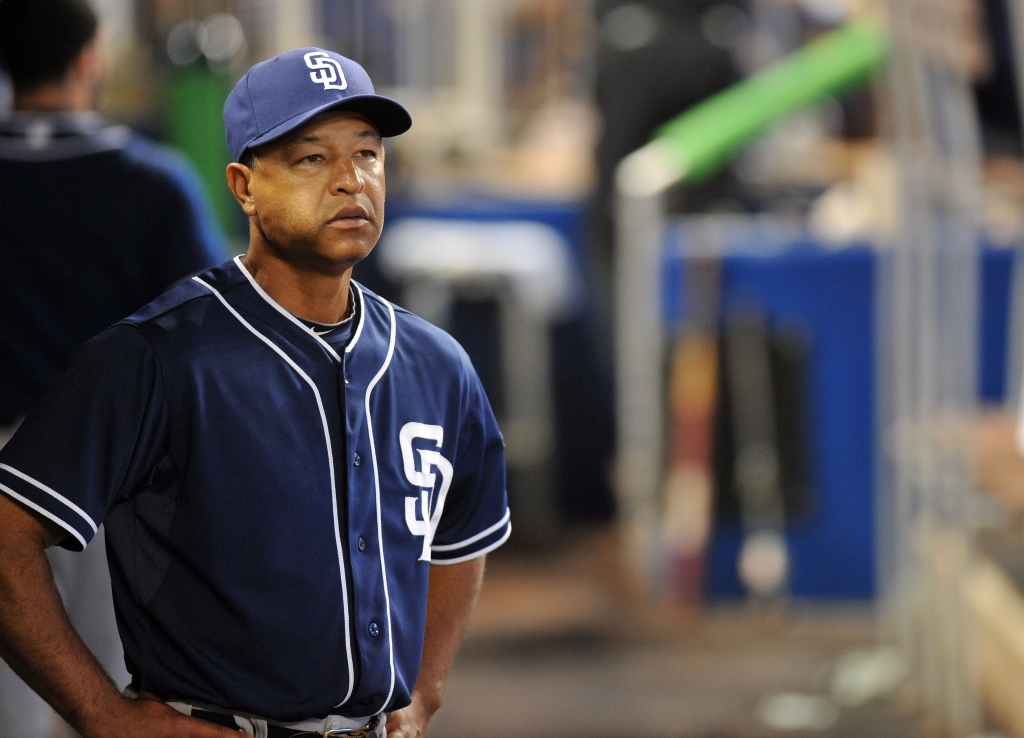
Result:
pixel 332 726
pixel 372 729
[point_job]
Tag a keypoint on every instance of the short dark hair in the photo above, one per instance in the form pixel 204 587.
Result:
pixel 248 158
pixel 40 39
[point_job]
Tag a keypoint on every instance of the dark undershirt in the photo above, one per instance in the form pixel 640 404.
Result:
pixel 336 334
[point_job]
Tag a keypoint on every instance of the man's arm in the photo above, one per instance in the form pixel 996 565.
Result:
pixel 38 642
pixel 450 600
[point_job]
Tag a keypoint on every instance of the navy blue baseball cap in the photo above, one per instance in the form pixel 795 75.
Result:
pixel 278 95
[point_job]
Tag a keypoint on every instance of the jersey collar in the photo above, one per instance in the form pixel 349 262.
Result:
pixel 357 293
pixel 51 136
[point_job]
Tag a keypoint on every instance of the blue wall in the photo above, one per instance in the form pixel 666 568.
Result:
pixel 831 293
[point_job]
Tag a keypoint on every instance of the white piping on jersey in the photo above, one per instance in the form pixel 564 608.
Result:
pixel 376 483
pixel 475 554
pixel 42 511
pixel 53 493
pixel 362 318
pixel 285 313
pixel 330 461
pixel 474 539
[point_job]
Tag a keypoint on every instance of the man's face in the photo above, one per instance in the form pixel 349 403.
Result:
pixel 318 196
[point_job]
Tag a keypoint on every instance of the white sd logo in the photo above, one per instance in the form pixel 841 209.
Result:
pixel 425 524
pixel 328 70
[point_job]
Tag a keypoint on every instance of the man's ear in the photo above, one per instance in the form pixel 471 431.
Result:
pixel 84 77
pixel 89 65
pixel 240 183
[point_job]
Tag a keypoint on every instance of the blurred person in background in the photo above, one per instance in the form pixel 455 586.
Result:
pixel 95 222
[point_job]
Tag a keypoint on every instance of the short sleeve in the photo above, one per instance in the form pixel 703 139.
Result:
pixel 475 519
pixel 92 438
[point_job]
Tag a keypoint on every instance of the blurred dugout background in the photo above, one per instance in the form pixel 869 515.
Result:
pixel 829 305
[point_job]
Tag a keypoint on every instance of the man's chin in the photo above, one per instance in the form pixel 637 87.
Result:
pixel 324 255
pixel 334 261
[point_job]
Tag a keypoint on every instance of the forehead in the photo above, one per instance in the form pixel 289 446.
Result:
pixel 327 124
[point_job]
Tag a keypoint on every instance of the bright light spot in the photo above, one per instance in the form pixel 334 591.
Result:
pixel 630 27
pixel 220 37
pixel 724 25
pixel 795 711
pixel 763 562
pixel 182 46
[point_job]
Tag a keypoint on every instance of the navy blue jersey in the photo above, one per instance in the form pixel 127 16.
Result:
pixel 272 505
pixel 95 222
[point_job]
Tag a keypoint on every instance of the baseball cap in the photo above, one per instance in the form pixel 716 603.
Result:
pixel 278 95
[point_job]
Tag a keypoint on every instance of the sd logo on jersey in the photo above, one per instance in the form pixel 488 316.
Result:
pixel 421 475
pixel 328 71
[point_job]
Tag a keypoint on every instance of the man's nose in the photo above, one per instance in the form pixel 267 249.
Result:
pixel 347 178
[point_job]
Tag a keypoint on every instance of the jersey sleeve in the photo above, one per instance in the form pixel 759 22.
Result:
pixel 475 518
pixel 92 438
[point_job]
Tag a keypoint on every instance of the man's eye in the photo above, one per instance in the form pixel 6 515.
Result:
pixel 368 154
pixel 312 158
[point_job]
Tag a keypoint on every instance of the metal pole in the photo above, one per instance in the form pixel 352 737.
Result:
pixel 927 294
pixel 639 376
pixel 1015 357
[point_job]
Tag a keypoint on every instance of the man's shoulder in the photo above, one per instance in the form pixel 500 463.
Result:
pixel 157 161
pixel 146 152
pixel 181 300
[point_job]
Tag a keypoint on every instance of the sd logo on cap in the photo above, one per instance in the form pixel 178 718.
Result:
pixel 321 60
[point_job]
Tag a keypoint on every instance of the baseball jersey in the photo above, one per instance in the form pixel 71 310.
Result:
pixel 95 221
pixel 272 504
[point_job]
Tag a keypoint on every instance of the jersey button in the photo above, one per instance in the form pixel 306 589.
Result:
pixel 361 543
pixel 374 630
pixel 357 460
pixel 347 377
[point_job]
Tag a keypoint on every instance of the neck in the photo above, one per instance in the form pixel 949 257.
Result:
pixel 54 98
pixel 322 298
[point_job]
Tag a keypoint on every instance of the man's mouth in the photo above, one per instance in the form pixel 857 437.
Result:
pixel 349 218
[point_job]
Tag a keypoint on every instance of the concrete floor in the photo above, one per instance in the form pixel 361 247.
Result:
pixel 553 652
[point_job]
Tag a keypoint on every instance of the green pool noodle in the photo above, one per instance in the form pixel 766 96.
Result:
pixel 697 142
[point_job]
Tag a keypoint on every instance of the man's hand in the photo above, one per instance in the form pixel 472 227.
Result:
pixel 154 719
pixel 411 721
